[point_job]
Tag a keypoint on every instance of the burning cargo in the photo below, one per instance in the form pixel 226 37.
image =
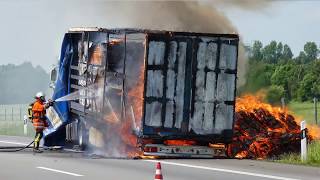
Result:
pixel 263 131
pixel 146 92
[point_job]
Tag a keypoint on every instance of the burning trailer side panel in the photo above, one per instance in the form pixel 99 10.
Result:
pixel 190 87
pixel 139 86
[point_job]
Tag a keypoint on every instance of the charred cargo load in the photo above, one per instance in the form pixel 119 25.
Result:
pixel 168 89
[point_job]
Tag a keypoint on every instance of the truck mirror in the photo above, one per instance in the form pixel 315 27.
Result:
pixel 53 75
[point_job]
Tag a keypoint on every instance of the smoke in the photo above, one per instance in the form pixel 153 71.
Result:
pixel 173 15
pixel 252 5
pixel 192 16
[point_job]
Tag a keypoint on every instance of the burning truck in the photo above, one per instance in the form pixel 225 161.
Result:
pixel 145 93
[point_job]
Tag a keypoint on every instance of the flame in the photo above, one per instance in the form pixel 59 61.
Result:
pixel 115 41
pixel 148 157
pixel 250 103
pixel 180 142
pixel 262 130
pixel 111 118
pixel 97 55
pixel 124 126
pixel 123 123
pixel 314 131
pixel 136 97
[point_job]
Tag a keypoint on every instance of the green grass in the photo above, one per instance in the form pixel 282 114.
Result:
pixel 304 110
pixel 313 156
pixel 11 120
pixel 15 128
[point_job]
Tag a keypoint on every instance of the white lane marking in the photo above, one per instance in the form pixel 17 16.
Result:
pixel 15 143
pixel 59 171
pixel 224 170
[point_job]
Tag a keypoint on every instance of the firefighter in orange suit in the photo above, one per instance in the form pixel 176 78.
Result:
pixel 39 118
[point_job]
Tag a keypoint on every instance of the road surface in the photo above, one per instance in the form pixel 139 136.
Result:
pixel 56 165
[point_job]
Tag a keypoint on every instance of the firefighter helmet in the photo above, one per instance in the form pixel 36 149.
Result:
pixel 40 95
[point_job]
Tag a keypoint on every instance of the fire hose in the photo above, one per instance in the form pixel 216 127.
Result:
pixel 15 148
pixel 20 148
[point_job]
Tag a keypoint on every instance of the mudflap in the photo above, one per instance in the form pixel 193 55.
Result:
pixel 76 135
pixel 56 138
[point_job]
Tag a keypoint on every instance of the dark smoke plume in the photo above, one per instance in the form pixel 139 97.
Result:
pixel 194 16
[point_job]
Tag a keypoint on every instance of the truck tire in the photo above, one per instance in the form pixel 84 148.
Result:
pixel 82 135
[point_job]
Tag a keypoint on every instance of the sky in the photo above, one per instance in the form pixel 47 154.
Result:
pixel 32 30
pixel 293 22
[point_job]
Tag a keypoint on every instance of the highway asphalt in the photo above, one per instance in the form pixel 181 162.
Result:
pixel 65 165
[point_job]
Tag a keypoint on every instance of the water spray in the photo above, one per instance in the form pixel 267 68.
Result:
pixel 84 93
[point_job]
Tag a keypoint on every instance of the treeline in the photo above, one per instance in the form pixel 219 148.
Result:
pixel 20 83
pixel 274 68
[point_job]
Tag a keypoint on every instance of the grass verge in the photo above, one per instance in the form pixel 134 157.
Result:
pixel 304 110
pixel 313 156
pixel 15 128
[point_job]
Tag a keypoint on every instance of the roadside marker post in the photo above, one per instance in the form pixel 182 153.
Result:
pixel 303 141
pixel 315 101
pixel 283 103
pixel 25 124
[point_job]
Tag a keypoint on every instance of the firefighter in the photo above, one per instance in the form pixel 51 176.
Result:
pixel 39 118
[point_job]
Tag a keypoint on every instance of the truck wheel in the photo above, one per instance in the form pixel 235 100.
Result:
pixel 82 135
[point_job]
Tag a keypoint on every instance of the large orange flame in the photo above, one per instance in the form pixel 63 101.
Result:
pixel 180 142
pixel 135 95
pixel 262 130
pixel 133 117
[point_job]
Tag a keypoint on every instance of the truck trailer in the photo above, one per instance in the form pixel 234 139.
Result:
pixel 162 93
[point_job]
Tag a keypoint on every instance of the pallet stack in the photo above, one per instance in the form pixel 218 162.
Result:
pixel 262 132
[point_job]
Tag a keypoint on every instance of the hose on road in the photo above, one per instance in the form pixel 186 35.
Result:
pixel 15 148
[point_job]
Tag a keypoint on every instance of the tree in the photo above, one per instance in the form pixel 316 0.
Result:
pixel 279 51
pixel 270 53
pixel 309 86
pixel 311 51
pixel 287 76
pixel 274 70
pixel 287 53
pixel 302 58
pixel 256 53
pixel 258 76
pixel 12 78
pixel 304 92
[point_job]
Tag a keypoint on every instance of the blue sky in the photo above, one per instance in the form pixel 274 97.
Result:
pixel 32 30
pixel 292 22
